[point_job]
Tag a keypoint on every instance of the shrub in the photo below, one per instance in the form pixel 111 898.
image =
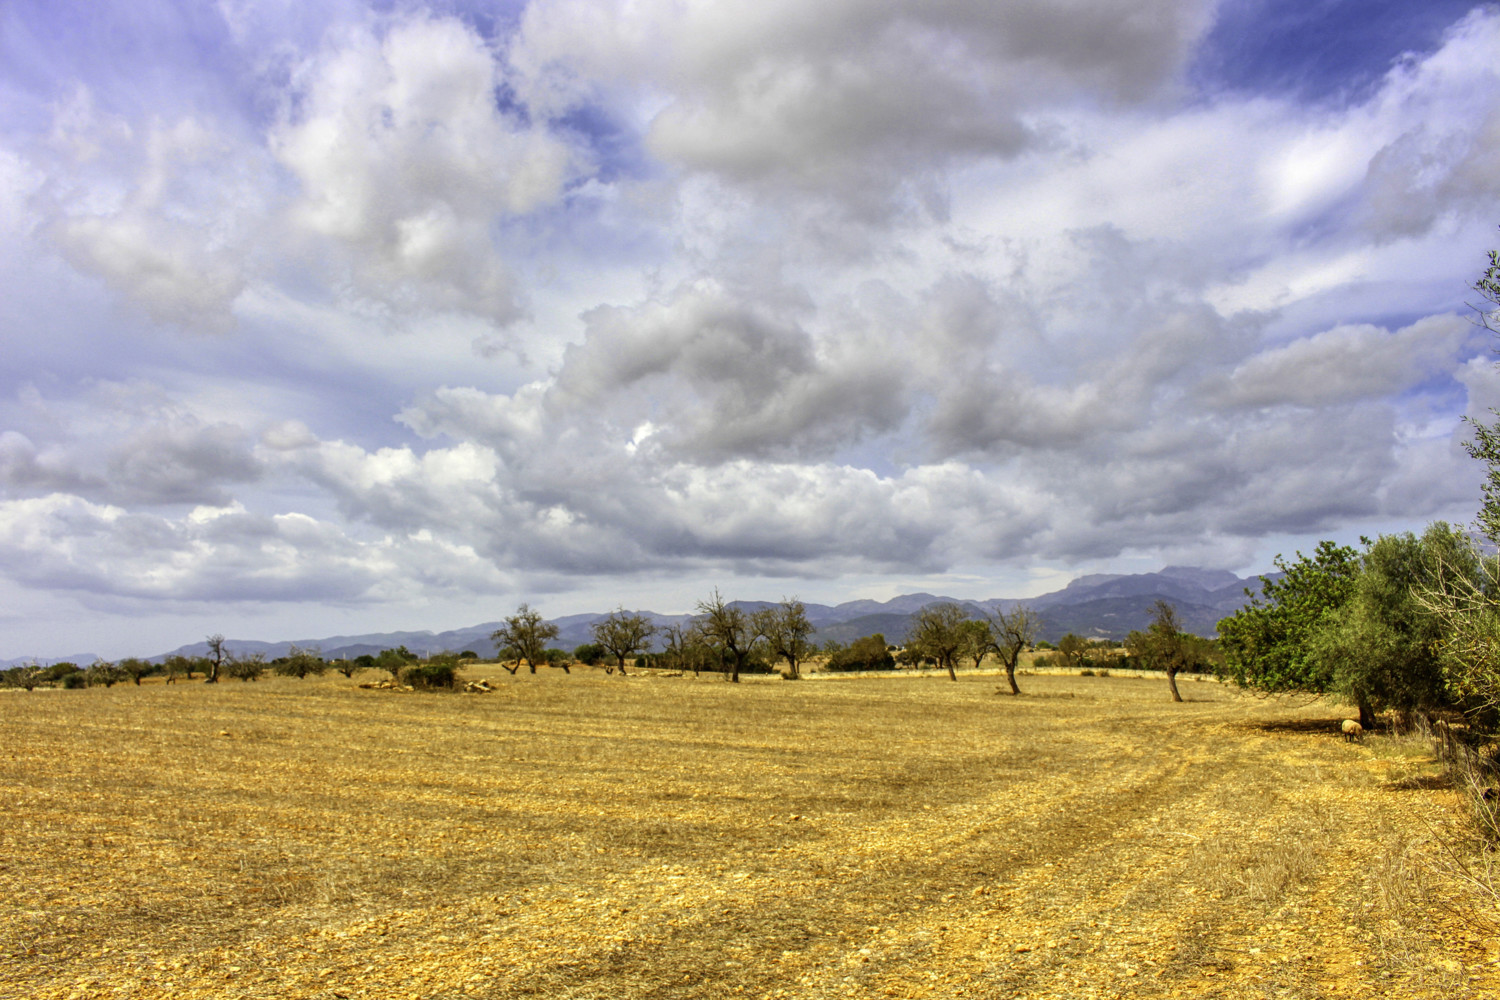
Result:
pixel 869 653
pixel 74 680
pixel 440 674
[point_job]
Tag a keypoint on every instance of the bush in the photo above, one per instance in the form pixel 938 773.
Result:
pixel 431 675
pixel 74 680
pixel 590 654
pixel 869 653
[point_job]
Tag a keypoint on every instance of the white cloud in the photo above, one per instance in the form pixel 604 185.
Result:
pixel 406 161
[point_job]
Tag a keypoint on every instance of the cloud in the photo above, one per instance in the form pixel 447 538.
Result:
pixel 125 443
pixel 406 161
pixel 846 99
pixel 65 543
pixel 1344 364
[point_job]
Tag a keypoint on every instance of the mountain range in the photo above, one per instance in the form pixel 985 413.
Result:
pixel 1104 606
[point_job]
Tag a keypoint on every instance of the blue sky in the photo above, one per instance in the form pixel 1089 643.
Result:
pixel 336 317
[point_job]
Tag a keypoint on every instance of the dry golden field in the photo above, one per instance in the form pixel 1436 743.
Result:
pixel 591 836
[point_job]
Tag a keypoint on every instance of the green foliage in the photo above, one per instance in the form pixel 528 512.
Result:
pixel 302 663
pixel 102 672
pixel 590 654
pixel 76 679
pixel 787 631
pixel 249 668
pixel 438 672
pixel 1074 649
pixel 937 632
pixel 134 669
pixel 1267 645
pixel 393 661
pixel 621 634
pixel 1382 647
pixel 60 671
pixel 525 633
pixel 869 653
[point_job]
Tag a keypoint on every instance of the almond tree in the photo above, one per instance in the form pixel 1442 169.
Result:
pixel 787 631
pixel 216 653
pixel 937 631
pixel 1013 631
pixel 729 629
pixel 623 635
pixel 527 634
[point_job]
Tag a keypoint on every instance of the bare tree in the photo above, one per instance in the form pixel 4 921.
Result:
pixel 527 633
pixel 216 653
pixel 937 631
pixel 623 634
pixel 729 629
pixel 1014 631
pixel 787 631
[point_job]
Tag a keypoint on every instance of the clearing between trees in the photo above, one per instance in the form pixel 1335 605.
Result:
pixel 586 836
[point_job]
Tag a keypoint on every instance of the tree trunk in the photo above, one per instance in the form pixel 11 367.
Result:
pixel 1010 675
pixel 512 669
pixel 734 677
pixel 531 665
pixel 1172 683
pixel 1366 715
pixel 622 665
pixel 951 675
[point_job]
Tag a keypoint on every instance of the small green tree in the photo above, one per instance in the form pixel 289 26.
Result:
pixel 134 669
pixel 1074 650
pixel 622 634
pixel 978 640
pixel 590 654
pixel 245 667
pixel 1268 645
pixel 179 666
pixel 525 633
pixel 102 672
pixel 393 661
pixel 937 632
pixel 867 653
pixel 788 633
pixel 302 663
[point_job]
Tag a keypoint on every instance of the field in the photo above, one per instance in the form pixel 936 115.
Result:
pixel 588 836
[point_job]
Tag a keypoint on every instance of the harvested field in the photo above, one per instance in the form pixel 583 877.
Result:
pixel 588 836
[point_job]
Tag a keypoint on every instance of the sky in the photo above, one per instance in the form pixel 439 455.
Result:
pixel 337 317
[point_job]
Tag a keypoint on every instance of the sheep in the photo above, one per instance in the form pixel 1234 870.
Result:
pixel 1352 731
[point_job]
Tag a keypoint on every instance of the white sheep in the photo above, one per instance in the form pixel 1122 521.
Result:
pixel 1352 731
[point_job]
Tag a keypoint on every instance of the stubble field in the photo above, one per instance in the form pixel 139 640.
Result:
pixel 588 836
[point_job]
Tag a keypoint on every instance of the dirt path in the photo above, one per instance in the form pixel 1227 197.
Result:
pixel 591 837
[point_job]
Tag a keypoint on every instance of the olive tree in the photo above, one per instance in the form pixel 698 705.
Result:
pixel 622 635
pixel 937 632
pixel 527 634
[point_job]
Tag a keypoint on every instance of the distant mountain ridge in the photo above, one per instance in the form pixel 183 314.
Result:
pixel 1100 605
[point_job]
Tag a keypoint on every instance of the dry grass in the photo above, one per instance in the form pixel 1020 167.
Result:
pixel 589 836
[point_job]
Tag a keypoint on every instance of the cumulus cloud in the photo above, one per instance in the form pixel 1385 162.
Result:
pixel 847 99
pixel 125 443
pixel 406 161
